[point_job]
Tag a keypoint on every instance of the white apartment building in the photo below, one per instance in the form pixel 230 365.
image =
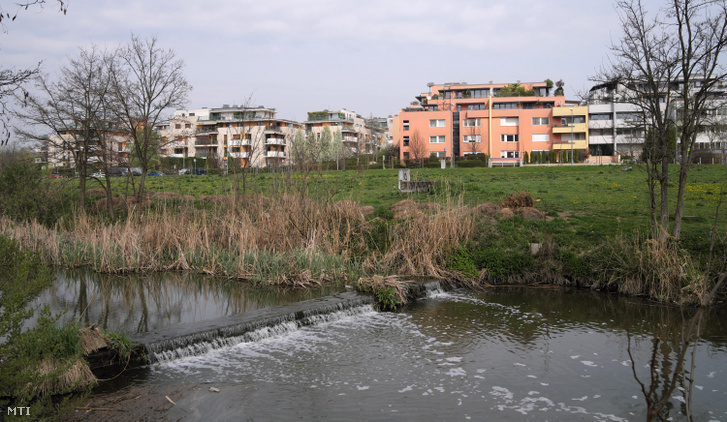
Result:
pixel 231 135
pixel 616 127
pixel 357 134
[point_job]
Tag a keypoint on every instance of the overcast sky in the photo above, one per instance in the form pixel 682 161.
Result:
pixel 369 56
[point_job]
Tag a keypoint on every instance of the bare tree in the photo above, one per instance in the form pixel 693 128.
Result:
pixel 669 63
pixel 12 81
pixel 418 147
pixel 147 82
pixel 472 134
pixel 74 109
pixel 246 147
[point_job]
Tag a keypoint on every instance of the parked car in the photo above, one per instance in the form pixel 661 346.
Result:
pixel 155 173
pixel 199 170
pixel 184 171
pixel 56 176
pixel 98 174
pixel 118 171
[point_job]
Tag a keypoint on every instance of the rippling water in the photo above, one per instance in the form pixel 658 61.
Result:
pixel 538 354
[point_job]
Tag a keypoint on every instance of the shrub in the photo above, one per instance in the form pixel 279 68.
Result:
pixel 501 263
pixel 463 262
pixel 41 363
pixel 27 194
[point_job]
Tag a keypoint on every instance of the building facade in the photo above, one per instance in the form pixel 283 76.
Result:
pixel 356 134
pixel 503 121
pixel 617 119
pixel 230 135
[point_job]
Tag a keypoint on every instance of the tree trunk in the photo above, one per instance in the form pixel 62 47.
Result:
pixel 679 211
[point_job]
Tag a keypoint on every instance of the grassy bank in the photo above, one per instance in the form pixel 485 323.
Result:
pixel 350 225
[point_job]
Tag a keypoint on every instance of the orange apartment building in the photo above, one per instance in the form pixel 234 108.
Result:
pixel 501 120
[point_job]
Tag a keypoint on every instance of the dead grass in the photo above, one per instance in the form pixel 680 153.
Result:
pixel 518 200
pixel 62 376
pixel 93 340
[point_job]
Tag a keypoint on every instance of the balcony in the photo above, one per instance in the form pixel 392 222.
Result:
pixel 576 128
pixel 275 154
pixel 600 124
pixel 239 154
pixel 275 141
pixel 577 144
pixel 600 139
pixel 272 129
pixel 205 143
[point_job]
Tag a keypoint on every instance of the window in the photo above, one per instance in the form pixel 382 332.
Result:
pixel 236 137
pixel 473 138
pixel 406 141
pixel 508 138
pixel 541 137
pixel 600 132
pixel 235 149
pixel 508 121
pixel 177 126
pixel 437 139
pixel 566 137
pixel 471 122
pixel 504 106
pixel 600 116
pixel 478 106
pixel 179 150
pixel 509 154
pixel 437 123
pixel 187 125
pixel 437 154
pixel 628 116
pixel 566 121
pixel 629 132
pixel 406 125
pixel 541 121
pixel 191 114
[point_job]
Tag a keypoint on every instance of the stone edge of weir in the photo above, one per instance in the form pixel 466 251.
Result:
pixel 146 344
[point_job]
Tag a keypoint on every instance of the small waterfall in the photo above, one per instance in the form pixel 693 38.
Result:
pixel 201 338
pixel 433 288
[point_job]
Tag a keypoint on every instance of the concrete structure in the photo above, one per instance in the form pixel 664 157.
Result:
pixel 109 145
pixel 616 121
pixel 356 134
pixel 501 120
pixel 230 135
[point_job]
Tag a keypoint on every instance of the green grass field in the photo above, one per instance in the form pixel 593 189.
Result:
pixel 596 201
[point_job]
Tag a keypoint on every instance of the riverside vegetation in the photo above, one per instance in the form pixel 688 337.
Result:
pixel 474 229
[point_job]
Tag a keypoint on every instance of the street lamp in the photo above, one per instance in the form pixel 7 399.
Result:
pixel 572 125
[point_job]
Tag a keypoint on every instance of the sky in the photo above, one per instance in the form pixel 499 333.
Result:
pixel 369 56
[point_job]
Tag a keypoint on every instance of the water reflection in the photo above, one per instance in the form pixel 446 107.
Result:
pixel 140 303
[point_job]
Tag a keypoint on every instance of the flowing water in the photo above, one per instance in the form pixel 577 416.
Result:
pixel 503 354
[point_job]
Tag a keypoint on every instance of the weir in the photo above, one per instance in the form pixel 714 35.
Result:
pixel 200 337
pixel 196 338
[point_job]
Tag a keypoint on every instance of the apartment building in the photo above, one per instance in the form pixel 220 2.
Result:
pixel 502 120
pixel 231 135
pixel 617 121
pixel 109 145
pixel 356 134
